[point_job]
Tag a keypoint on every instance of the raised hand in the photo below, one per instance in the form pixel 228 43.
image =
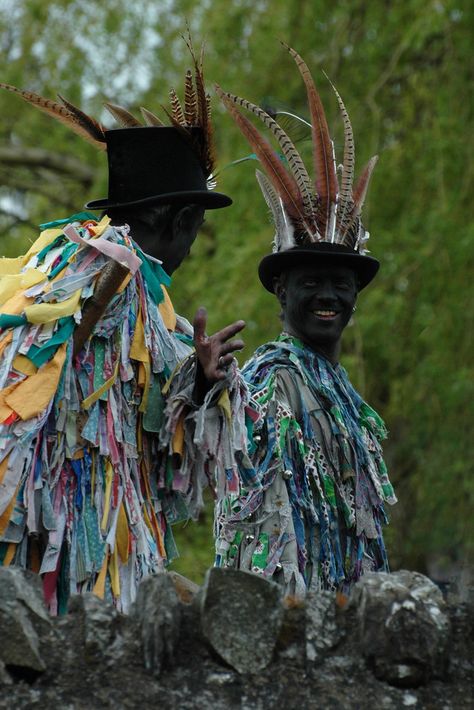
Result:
pixel 215 352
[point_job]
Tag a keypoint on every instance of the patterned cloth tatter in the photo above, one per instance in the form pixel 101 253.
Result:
pixel 311 506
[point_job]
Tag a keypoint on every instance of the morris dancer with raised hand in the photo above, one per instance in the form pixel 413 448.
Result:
pixel 90 479
pixel 311 506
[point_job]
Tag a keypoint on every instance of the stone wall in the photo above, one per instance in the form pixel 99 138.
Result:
pixel 234 643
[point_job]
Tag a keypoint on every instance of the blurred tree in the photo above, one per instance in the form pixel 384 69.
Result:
pixel 405 74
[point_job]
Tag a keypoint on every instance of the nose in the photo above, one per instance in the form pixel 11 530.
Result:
pixel 325 290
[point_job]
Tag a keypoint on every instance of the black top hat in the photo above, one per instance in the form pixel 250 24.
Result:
pixel 156 165
pixel 319 254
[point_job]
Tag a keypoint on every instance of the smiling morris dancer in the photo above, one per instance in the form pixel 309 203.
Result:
pixel 88 488
pixel 311 508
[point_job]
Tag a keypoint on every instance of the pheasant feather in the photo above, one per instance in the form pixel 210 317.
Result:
pixel 283 182
pixel 190 105
pixel 326 181
pixel 122 116
pixel 89 124
pixel 292 156
pixel 150 118
pixel 284 230
pixel 176 108
pixel 345 202
pixel 57 111
pixel 360 192
pixel 202 102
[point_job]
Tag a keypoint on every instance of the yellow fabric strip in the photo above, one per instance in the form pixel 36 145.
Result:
pixel 6 341
pixel 10 554
pixel 9 285
pixel 109 474
pixel 125 283
pixel 16 304
pixel 167 311
pixel 224 403
pixel 34 394
pixel 178 438
pixel 47 312
pixel 11 266
pixel 23 364
pixel 88 401
pixel 146 385
pixel 5 410
pixel 45 238
pixel 138 349
pixel 121 538
pixel 100 228
pixel 7 513
pixel 99 586
pixel 3 467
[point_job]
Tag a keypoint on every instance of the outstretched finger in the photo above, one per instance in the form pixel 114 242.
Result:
pixel 230 330
pixel 231 345
pixel 199 323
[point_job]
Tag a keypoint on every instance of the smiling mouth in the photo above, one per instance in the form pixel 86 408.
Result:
pixel 325 315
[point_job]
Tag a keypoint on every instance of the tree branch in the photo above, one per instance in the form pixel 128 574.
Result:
pixel 37 157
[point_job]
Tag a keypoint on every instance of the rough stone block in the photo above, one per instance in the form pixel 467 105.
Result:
pixel 321 629
pixel 157 610
pixel 403 627
pixel 241 617
pixel 23 618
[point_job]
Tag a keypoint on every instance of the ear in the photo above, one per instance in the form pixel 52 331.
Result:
pixel 188 218
pixel 280 290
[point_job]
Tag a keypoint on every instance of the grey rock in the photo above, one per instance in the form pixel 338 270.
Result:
pixel 157 612
pixel 102 627
pixel 403 627
pixel 241 616
pixel 23 620
pixel 321 628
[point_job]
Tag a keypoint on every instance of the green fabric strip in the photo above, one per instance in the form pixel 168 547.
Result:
pixel 78 217
pixel 8 321
pixel 39 356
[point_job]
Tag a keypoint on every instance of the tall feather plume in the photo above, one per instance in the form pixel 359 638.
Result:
pixel 92 127
pixel 345 202
pixel 176 108
pixel 77 121
pixel 326 180
pixel 360 192
pixel 190 104
pixel 283 182
pixel 150 118
pixel 292 156
pixel 284 230
pixel 202 101
pixel 122 116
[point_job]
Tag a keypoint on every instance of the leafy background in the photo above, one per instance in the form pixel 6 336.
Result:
pixel 405 72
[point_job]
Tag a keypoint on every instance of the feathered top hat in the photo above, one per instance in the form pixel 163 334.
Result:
pixel 319 222
pixel 150 163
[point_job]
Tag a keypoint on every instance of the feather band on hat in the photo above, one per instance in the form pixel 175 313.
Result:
pixel 196 113
pixel 305 211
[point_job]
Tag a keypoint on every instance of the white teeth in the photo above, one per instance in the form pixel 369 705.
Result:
pixel 325 313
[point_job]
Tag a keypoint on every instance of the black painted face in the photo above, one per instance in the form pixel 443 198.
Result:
pixel 166 232
pixel 317 303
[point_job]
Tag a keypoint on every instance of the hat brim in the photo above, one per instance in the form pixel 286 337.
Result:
pixel 205 198
pixel 272 265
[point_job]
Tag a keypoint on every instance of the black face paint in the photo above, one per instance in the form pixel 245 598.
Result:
pixel 165 232
pixel 318 304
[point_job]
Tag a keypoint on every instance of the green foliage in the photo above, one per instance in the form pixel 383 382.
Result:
pixel 404 71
